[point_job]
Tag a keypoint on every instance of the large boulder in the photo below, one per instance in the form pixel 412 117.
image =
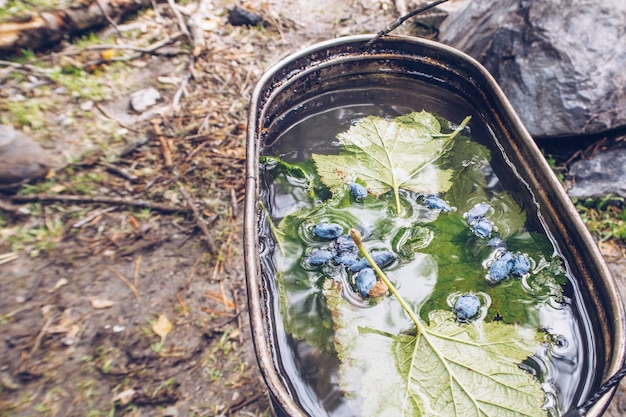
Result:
pixel 561 63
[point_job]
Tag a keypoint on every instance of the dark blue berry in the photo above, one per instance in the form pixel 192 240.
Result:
pixel 382 259
pixel 357 190
pixel 483 228
pixel 319 257
pixel 466 307
pixel 436 203
pixel 366 230
pixel 346 258
pixel 327 231
pixel 365 280
pixel 496 243
pixel 477 212
pixel 521 265
pixel 344 243
pixel 501 267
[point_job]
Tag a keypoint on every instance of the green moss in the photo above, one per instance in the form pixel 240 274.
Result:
pixel 605 218
pixel 26 113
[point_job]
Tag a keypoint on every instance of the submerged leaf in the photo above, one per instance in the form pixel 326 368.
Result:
pixel 389 155
pixel 448 369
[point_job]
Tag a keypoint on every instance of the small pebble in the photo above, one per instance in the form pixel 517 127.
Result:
pixel 142 100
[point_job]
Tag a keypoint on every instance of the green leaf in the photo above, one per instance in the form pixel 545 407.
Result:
pixel 389 155
pixel 444 369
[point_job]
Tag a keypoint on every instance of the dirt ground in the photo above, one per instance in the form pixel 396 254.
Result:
pixel 127 298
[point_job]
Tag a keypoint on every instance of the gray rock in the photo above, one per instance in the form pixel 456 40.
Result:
pixel 601 175
pixel 143 99
pixel 560 62
pixel 21 158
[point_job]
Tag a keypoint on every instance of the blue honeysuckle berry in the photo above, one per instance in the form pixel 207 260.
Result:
pixel 521 265
pixel 436 203
pixel 357 190
pixel 501 267
pixel 466 307
pixel 319 257
pixel 366 230
pixel 344 243
pixel 327 231
pixel 346 258
pixel 382 259
pixel 477 212
pixel 365 280
pixel 483 228
pixel 496 243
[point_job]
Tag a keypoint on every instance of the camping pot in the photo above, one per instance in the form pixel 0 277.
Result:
pixel 350 70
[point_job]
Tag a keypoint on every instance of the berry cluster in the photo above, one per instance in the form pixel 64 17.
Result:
pixel 343 251
pixel 508 264
pixel 481 225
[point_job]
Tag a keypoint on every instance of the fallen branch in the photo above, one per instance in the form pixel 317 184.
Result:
pixel 147 50
pixel 48 28
pixel 84 199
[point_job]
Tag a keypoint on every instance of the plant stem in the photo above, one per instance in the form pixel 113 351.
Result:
pixel 275 232
pixel 356 236
pixel 461 127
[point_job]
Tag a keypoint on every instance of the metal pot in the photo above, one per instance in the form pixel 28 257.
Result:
pixel 343 70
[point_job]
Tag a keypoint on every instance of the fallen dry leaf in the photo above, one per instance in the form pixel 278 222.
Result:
pixel 610 251
pixel 125 396
pixel 162 327
pixel 59 284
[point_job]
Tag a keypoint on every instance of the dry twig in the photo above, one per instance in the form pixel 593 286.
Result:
pixel 186 285
pixel 124 173
pixel 43 198
pixel 92 216
pixel 5 258
pixel 165 145
pixel 127 282
pixel 144 50
pixel 179 17
pixel 137 267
